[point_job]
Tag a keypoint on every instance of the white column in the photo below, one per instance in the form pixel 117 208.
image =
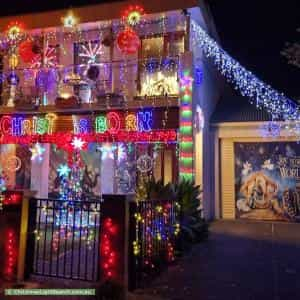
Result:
pixel 40 174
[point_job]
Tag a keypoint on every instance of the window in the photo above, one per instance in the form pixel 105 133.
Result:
pixel 159 64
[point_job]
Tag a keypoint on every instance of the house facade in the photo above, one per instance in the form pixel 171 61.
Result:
pixel 94 100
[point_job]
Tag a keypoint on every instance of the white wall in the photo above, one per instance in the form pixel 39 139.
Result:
pixel 206 95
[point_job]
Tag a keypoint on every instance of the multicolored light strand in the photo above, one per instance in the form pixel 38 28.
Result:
pixel 186 146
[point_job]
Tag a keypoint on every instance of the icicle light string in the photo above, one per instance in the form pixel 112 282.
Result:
pixel 261 94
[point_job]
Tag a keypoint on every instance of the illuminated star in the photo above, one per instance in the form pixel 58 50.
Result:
pixel 63 170
pixel 70 20
pixel 77 143
pixel 37 152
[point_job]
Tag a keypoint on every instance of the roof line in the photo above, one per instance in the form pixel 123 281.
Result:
pixel 91 13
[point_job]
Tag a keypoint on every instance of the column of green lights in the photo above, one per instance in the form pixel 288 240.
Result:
pixel 186 146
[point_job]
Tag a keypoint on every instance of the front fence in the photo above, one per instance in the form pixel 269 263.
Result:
pixel 156 231
pixel 67 239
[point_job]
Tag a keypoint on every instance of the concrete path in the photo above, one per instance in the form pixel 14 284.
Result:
pixel 240 260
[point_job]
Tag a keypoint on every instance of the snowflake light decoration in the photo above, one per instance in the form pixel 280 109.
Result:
pixel 49 58
pixel 91 52
pixel 63 170
pixel 78 143
pixel 37 152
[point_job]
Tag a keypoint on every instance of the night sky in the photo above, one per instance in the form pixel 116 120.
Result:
pixel 254 32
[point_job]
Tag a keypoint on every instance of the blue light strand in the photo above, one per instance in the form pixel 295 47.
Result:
pixel 259 93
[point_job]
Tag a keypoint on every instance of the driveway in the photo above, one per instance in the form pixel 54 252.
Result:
pixel 240 260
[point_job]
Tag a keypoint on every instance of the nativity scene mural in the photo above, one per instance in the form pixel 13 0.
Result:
pixel 267 181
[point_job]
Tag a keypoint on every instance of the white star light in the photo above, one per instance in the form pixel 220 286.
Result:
pixel 77 143
pixel 37 152
pixel 63 170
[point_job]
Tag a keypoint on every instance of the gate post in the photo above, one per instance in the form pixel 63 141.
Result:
pixel 115 235
pixel 23 234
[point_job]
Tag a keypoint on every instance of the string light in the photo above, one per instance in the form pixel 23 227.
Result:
pixel 259 93
pixel 186 156
pixel 37 152
pixel 108 253
pixel 91 52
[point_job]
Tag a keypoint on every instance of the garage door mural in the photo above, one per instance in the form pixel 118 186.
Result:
pixel 267 181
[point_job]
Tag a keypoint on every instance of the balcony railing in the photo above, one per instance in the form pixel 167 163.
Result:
pixel 106 84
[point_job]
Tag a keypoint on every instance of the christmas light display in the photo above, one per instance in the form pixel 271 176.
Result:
pixel 13 61
pixel 59 139
pixel 128 41
pixel 69 21
pixel 1 201
pixel 157 227
pixel 63 170
pixel 48 59
pixel 107 150
pixel 270 129
pixel 186 144
pixel 26 51
pixel 2 189
pixel 70 193
pixel 132 15
pixel 18 126
pixel 108 253
pixel 11 253
pixel 259 93
pixel 3 179
pixel 37 152
pixel 144 163
pixel 12 163
pixel 78 143
pixel 91 52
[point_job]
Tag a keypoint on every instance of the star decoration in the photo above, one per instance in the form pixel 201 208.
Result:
pixel 78 143
pixel 37 152
pixel 63 170
pixel 69 21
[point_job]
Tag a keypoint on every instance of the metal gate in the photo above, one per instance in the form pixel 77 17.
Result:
pixel 67 239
